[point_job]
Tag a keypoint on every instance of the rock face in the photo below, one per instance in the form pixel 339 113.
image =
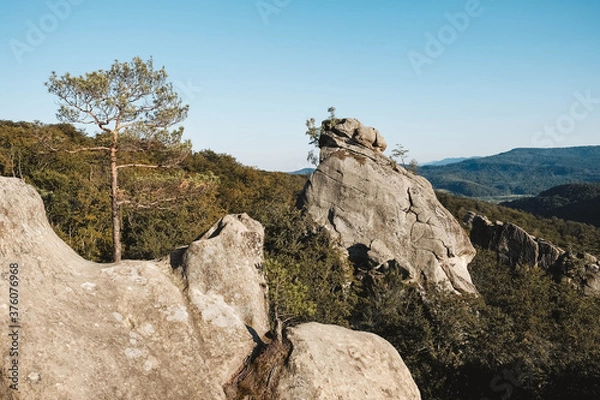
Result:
pixel 517 248
pixel 172 329
pixel 351 131
pixel 330 362
pixel 581 270
pixel 132 330
pixel 227 291
pixel 381 214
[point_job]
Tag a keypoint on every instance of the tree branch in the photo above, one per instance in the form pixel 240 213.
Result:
pixel 99 148
pixel 140 166
pixel 53 149
pixel 153 204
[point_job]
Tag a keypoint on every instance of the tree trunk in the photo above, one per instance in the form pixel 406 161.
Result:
pixel 116 212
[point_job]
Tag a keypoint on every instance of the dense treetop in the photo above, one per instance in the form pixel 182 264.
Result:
pixel 576 202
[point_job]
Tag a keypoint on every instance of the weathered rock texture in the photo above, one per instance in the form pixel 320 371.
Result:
pixel 331 362
pixel 228 291
pixel 383 215
pixel 517 248
pixel 580 269
pixel 132 330
pixel 351 131
pixel 178 329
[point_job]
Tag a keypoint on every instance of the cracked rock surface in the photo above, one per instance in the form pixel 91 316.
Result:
pixel 383 215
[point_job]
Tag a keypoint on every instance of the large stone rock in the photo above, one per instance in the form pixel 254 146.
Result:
pixel 517 248
pixel 351 131
pixel 331 362
pixel 184 328
pixel 131 330
pixel 579 269
pixel 514 246
pixel 383 215
pixel 228 291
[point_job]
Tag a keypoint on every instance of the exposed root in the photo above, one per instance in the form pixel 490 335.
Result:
pixel 258 377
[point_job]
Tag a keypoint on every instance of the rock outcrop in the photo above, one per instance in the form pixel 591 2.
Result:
pixel 227 291
pixel 581 270
pixel 170 329
pixel 381 214
pixel 131 330
pixel 331 362
pixel 351 131
pixel 517 248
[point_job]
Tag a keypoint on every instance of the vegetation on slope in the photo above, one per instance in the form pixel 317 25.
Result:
pixel 575 202
pixel 75 191
pixel 525 337
pixel 568 235
pixel 516 172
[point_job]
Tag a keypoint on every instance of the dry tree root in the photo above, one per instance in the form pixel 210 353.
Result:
pixel 258 377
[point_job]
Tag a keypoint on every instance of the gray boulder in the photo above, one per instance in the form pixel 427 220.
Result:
pixel 351 131
pixel 514 246
pixel 383 215
pixel 581 270
pixel 228 291
pixel 131 330
pixel 331 362
pixel 517 248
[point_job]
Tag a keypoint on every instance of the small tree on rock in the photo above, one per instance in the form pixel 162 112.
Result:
pixel 314 133
pixel 399 153
pixel 413 166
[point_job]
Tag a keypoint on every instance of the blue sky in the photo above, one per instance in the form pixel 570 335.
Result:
pixel 442 78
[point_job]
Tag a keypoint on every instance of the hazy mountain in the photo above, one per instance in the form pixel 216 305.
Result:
pixel 303 171
pixel 576 202
pixel 448 161
pixel 517 172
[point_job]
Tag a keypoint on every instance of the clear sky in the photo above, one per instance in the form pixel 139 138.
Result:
pixel 442 78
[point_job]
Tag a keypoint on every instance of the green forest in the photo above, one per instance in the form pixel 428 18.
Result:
pixel 525 171
pixel 525 337
pixel 576 202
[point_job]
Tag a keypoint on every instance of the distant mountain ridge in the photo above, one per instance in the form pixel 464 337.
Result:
pixel 520 171
pixel 448 161
pixel 576 202
pixel 303 171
